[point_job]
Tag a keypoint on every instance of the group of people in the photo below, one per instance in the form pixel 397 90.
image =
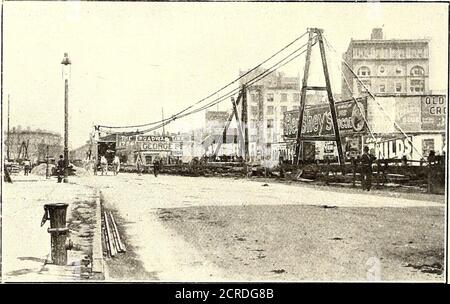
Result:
pixel 103 164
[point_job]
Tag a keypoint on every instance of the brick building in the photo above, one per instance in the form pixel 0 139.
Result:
pixel 33 144
pixel 267 101
pixel 386 66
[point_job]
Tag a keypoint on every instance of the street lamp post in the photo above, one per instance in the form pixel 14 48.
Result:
pixel 66 70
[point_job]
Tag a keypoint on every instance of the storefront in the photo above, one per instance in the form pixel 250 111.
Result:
pixel 169 149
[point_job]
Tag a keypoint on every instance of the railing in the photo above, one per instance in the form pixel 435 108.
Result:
pixel 428 175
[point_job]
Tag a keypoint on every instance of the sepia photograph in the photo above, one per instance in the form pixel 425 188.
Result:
pixel 215 142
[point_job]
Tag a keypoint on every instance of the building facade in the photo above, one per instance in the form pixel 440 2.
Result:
pixel 267 102
pixel 386 66
pixel 32 144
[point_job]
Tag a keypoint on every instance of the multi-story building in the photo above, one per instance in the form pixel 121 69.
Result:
pixel 406 118
pixel 386 66
pixel 33 144
pixel 267 101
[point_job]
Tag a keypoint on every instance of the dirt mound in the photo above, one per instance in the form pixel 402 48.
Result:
pixel 41 169
pixel 79 171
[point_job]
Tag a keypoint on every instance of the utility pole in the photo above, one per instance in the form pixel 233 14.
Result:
pixel 162 114
pixel 9 134
pixel 244 117
pixel 66 62
pixel 46 169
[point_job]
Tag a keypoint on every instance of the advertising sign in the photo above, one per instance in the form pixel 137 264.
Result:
pixel 317 120
pixel 390 146
pixel 434 110
pixel 217 116
pixel 126 141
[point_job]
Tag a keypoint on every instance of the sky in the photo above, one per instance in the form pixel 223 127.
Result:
pixel 130 60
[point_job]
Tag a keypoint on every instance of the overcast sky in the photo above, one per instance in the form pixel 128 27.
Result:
pixel 131 59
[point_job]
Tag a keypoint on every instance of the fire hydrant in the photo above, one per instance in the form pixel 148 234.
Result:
pixel 56 213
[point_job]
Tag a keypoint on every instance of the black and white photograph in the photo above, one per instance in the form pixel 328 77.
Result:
pixel 219 142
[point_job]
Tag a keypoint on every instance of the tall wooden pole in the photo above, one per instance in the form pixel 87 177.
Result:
pixel 303 97
pixel 162 114
pixel 244 118
pixel 330 97
pixel 9 134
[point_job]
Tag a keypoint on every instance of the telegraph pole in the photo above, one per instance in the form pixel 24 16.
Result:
pixel 66 62
pixel 162 114
pixel 9 134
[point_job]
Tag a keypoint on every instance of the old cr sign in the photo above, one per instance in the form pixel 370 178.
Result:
pixel 434 110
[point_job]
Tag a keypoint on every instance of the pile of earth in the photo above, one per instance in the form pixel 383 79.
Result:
pixel 42 169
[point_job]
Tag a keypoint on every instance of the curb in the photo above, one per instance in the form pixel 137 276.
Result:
pixel 98 264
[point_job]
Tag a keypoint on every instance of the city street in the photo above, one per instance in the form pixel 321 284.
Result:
pixel 214 229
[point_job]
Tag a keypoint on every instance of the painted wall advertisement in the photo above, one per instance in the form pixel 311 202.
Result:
pixel 434 110
pixel 317 120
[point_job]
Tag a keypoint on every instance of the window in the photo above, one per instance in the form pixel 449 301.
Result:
pixel 382 69
pixel 254 98
pixel 382 88
pixel 269 110
pixel 364 71
pixel 270 123
pixel 296 108
pixel 254 110
pixel 296 97
pixel 367 84
pixel 253 123
pixel 398 87
pixel 398 70
pixel 417 71
pixel 417 85
pixel 270 97
pixel 283 97
pixel 283 109
pixel 254 138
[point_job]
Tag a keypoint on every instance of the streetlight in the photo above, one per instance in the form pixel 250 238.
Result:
pixel 66 73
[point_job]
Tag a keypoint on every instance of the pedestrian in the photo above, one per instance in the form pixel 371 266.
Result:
pixel 156 166
pixel 116 165
pixel 139 164
pixel 60 168
pixel 27 166
pixel 104 165
pixel 366 169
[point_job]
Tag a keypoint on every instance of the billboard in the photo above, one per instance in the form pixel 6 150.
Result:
pixel 317 120
pixel 433 110
pixel 390 146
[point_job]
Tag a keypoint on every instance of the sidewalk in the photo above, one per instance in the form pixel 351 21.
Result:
pixel 26 245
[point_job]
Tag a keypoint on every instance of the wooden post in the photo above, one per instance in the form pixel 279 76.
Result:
pixel 378 173
pixel 429 178
pixel 239 126
pixel 330 96
pixel 46 168
pixel 244 118
pixel 9 135
pixel 303 98
pixel 230 118
pixel 354 172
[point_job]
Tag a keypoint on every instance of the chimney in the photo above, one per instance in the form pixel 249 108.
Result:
pixel 377 34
